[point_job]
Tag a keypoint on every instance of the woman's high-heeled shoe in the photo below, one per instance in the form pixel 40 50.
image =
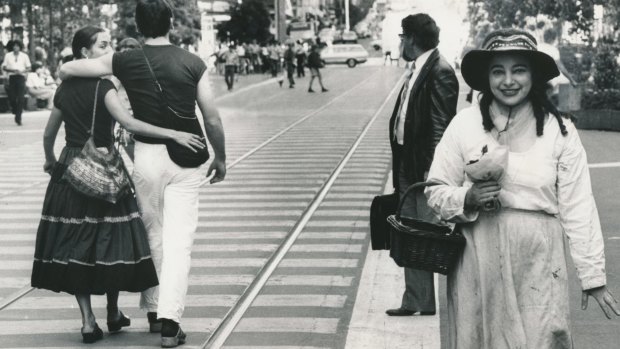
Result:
pixel 92 337
pixel 115 326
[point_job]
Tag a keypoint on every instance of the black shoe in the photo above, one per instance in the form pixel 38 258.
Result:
pixel 310 90
pixel 171 334
pixel 280 82
pixel 154 324
pixel 291 86
pixel 92 337
pixel 18 121
pixel 324 89
pixel 115 326
pixel 427 313
pixel 399 312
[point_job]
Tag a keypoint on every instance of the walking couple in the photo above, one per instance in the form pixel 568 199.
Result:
pixel 87 246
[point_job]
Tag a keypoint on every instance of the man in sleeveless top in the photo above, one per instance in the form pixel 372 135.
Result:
pixel 167 193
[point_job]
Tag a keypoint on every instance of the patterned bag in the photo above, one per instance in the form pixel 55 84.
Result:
pixel 98 173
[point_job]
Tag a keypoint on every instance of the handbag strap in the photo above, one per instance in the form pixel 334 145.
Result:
pixel 157 84
pixel 92 126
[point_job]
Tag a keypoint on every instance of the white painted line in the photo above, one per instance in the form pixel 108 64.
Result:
pixel 281 325
pixel 334 223
pixel 34 327
pixel 343 248
pixel 270 347
pixel 233 247
pixel 26 264
pixel 604 165
pixel 310 280
pixel 14 282
pixel 341 213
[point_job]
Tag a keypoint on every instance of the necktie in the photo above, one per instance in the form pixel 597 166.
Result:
pixel 399 131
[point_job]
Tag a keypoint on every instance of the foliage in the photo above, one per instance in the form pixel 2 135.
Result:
pixel 601 99
pixel 186 29
pixel 579 68
pixel 514 13
pixel 248 21
pixel 606 67
pixel 605 92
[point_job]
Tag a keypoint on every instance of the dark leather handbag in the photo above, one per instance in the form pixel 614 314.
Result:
pixel 381 207
pixel 98 173
pixel 179 154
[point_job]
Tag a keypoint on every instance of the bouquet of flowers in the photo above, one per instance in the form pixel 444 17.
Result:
pixel 489 166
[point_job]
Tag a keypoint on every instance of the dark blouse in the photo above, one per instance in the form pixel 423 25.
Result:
pixel 75 98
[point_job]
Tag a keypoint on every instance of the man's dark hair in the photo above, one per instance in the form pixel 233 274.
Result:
pixel 11 44
pixel 423 29
pixel 153 17
pixel 85 37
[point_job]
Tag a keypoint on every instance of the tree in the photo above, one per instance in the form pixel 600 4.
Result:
pixel 514 13
pixel 186 15
pixel 248 21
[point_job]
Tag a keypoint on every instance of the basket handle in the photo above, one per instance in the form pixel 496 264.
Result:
pixel 419 185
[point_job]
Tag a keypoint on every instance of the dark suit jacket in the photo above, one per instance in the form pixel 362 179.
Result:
pixel 432 105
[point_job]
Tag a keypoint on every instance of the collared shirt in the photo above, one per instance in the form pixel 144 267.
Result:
pixel 419 63
pixel 20 62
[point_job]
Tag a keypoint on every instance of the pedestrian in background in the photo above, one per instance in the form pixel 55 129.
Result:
pixel 168 193
pixel 314 64
pixel 509 289
pixel 17 64
pixel 84 245
pixel 300 55
pixel 426 104
pixel 231 63
pixel 289 63
pixel 274 58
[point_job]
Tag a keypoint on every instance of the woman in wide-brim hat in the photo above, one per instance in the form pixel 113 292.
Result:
pixel 509 289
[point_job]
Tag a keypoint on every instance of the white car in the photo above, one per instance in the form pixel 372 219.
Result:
pixel 351 54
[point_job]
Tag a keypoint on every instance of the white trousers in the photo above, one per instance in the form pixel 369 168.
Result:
pixel 168 199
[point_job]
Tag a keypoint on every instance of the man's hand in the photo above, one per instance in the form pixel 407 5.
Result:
pixel 481 193
pixel 604 298
pixel 219 167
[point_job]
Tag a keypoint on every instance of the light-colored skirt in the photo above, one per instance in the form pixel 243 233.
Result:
pixel 509 289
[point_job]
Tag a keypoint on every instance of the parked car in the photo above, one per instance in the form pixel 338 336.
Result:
pixel 345 37
pixel 351 54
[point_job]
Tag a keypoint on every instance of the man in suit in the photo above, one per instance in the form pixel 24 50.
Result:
pixel 426 104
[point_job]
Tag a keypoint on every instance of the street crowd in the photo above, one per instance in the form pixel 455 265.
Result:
pixel 508 288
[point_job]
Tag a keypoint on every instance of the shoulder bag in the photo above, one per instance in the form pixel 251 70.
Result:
pixel 179 154
pixel 98 174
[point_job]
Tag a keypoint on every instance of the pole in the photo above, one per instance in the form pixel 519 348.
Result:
pixel 280 20
pixel 347 26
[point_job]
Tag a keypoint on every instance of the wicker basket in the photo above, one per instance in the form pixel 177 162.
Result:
pixel 423 245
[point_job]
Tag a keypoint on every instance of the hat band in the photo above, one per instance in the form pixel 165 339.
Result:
pixel 513 42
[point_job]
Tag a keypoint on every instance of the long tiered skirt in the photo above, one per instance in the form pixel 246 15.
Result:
pixel 87 245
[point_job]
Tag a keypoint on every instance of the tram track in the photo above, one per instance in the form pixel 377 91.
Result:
pixel 254 283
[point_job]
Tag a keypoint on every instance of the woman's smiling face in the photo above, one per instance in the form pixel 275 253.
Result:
pixel 510 78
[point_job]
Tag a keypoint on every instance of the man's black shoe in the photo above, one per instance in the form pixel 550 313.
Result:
pixel 399 312
pixel 310 90
pixel 154 324
pixel 171 334
pixel 406 312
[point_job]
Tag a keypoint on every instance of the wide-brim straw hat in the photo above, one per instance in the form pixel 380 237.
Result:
pixel 475 64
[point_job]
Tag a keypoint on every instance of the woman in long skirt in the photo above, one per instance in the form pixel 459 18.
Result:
pixel 85 245
pixel 509 289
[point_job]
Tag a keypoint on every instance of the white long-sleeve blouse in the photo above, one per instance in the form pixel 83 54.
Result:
pixel 551 176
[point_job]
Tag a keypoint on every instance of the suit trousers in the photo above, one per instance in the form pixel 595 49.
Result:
pixel 168 200
pixel 419 292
